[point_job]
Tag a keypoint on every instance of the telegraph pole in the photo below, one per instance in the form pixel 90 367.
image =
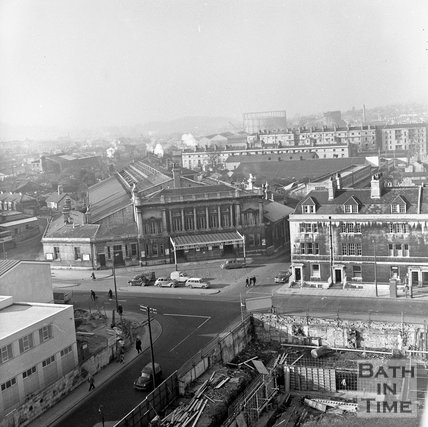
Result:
pixel 148 310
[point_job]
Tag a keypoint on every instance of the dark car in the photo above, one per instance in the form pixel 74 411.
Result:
pixel 145 380
pixel 143 279
pixel 233 263
pixel 282 277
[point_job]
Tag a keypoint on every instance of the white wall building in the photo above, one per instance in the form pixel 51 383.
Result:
pixel 37 347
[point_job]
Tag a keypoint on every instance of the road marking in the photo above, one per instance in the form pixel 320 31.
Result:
pixel 186 315
pixel 207 318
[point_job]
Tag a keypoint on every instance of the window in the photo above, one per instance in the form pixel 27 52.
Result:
pixel 405 249
pixel 398 249
pixel 395 272
pixel 108 252
pixel 153 227
pixel 66 350
pixel 26 343
pixel 350 208
pixel 77 253
pixel 391 249
pixel 308 208
pixel 6 353
pixel 29 372
pixel 350 227
pixel 48 361
pixel 351 249
pixel 56 252
pixel 398 208
pixel 8 384
pixel 316 273
pixel 308 227
pixel 45 333
pixel 356 272
pixel 398 227
pixel 133 249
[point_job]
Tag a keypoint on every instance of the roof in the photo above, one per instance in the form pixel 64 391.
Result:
pixel 281 171
pixel 18 222
pixel 274 211
pixel 73 231
pixel 7 264
pixel 108 231
pixel 16 317
pixel 256 158
pixel 367 204
pixel 55 197
pixel 197 240
pixel 15 197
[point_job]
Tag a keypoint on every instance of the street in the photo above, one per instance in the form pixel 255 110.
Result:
pixel 187 326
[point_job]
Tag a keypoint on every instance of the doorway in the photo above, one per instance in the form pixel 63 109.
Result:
pixel 337 276
pixel 298 274
pixel 102 260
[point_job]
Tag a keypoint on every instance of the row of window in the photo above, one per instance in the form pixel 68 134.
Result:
pixel 25 343
pixel 27 373
pixel 354 227
pixel 354 208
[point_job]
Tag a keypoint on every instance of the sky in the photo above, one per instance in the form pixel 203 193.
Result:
pixel 91 63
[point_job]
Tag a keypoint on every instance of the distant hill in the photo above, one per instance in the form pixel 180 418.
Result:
pixel 196 125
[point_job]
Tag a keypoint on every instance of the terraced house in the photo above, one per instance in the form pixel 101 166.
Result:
pixel 361 237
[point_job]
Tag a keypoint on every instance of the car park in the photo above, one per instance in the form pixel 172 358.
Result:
pixel 179 277
pixel 282 276
pixel 233 263
pixel 145 380
pixel 197 282
pixel 143 279
pixel 165 282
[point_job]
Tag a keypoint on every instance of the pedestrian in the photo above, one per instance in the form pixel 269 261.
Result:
pixel 247 282
pixel 254 280
pixel 251 281
pixel 110 294
pixel 91 382
pixel 122 354
pixel 93 276
pixel 93 296
pixel 138 345
pixel 406 290
pixel 101 412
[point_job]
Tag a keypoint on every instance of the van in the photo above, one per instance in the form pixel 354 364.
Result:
pixel 233 263
pixel 145 380
pixel 62 296
pixel 179 276
pixel 143 279
pixel 197 282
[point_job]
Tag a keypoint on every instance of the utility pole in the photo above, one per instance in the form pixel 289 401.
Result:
pixel 375 266
pixel 149 311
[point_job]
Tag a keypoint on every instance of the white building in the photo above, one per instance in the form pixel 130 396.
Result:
pixel 37 347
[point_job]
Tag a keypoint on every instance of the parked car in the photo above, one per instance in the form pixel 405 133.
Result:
pixel 164 282
pixel 233 263
pixel 282 276
pixel 197 282
pixel 143 279
pixel 145 380
pixel 179 277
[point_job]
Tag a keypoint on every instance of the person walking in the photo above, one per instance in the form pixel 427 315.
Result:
pixel 247 282
pixel 110 294
pixel 93 296
pixel 138 345
pixel 254 280
pixel 91 382
pixel 122 354
pixel 93 276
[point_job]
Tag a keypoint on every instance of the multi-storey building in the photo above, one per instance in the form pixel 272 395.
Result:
pixel 360 236
pixel 201 159
pixel 409 137
pixel 37 347
pixel 266 120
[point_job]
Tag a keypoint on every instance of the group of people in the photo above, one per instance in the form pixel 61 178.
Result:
pixel 250 281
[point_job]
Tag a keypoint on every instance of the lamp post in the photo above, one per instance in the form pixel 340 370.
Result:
pixel 149 311
pixel 114 281
pixel 330 235
pixel 375 266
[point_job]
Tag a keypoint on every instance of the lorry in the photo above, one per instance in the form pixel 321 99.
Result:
pixel 62 296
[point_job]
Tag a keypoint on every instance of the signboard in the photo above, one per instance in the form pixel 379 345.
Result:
pixel 259 304
pixel 86 257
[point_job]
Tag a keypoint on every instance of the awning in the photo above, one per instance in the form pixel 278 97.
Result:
pixel 201 240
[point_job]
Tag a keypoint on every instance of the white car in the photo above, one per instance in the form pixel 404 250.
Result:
pixel 197 282
pixel 164 282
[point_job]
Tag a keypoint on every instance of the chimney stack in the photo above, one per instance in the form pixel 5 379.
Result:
pixel 66 210
pixel 332 188
pixel 338 181
pixel 60 189
pixel 176 176
pixel 376 186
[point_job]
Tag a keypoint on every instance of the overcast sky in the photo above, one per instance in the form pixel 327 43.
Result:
pixel 88 63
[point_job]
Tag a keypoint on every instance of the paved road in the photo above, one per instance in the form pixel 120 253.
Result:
pixel 188 325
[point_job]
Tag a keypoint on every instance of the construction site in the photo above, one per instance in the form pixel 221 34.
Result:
pixel 273 370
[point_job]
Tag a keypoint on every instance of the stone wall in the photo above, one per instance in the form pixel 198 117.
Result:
pixel 337 332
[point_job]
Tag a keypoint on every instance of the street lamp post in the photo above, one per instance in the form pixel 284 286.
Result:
pixel 149 311
pixel 114 281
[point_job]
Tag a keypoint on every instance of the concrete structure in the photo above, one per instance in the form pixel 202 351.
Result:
pixel 58 163
pixel 266 120
pixel 26 280
pixel 351 237
pixel 37 346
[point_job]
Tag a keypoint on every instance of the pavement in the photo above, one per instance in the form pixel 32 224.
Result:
pixel 52 417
